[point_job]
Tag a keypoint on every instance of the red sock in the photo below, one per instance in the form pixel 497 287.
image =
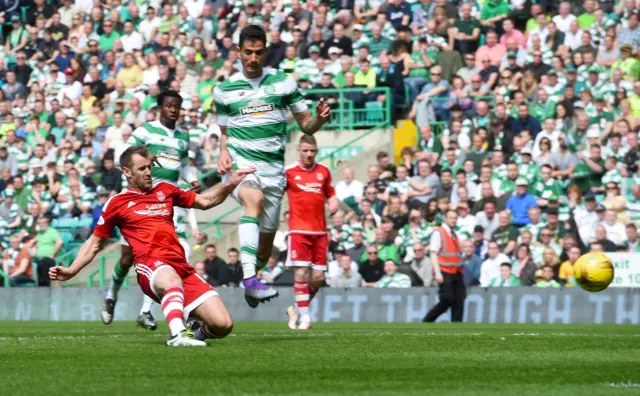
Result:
pixel 173 308
pixel 313 290
pixel 301 290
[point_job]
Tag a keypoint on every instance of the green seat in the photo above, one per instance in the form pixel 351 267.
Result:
pixel 85 222
pixel 374 112
pixel 66 223
pixel 67 238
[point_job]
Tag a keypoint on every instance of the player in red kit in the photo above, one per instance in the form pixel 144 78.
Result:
pixel 308 188
pixel 144 214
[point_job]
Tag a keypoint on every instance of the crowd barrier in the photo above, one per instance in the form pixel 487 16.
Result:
pixel 504 305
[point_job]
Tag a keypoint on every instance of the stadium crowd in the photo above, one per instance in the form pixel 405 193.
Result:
pixel 527 113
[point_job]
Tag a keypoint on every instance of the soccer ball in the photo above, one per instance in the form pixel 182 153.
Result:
pixel 593 271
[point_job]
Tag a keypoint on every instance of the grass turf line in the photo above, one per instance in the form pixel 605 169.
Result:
pixel 82 358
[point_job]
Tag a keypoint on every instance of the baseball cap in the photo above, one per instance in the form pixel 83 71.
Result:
pixel 521 182
pixel 589 196
pixel 251 2
pixel 7 193
pixel 600 208
pixel 15 18
pixel 570 69
pixel 304 77
pixel 593 132
pixel 599 98
pixel 314 48
pixel 35 163
pixel 340 250
pixel 335 50
pixel 68 71
pixel 357 27
pixel 552 198
pixel 552 73
pixel 626 48
pixel 525 151
pixel 512 54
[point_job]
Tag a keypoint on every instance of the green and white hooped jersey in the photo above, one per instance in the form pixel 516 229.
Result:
pixel 182 216
pixel 255 113
pixel 171 148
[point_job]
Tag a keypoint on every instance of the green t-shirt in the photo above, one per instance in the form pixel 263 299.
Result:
pixel 106 42
pixel 47 242
pixel 385 252
pixel 377 46
pixel 492 9
pixel 416 57
pixel 204 89
pixel 586 20
pixel 502 236
pixel 467 27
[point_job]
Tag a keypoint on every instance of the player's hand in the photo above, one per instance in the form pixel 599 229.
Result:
pixel 195 186
pixel 60 273
pixel 239 175
pixel 439 279
pixel 154 160
pixel 224 163
pixel 323 111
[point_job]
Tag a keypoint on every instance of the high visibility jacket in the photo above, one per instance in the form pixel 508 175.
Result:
pixel 449 256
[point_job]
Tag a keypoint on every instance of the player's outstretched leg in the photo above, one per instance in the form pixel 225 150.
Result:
pixel 215 321
pixel 145 319
pixel 169 285
pixel 252 199
pixel 120 272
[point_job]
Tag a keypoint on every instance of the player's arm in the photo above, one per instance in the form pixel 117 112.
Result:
pixel 86 254
pixel 309 124
pixel 221 191
pixel 332 199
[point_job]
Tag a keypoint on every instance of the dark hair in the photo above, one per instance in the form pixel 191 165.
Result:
pixel 211 245
pixel 505 264
pixel 126 157
pixel 253 33
pixel 168 94
pixel 381 155
pixel 442 172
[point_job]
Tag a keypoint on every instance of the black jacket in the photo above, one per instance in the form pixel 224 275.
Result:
pixel 275 54
pixel 217 271
pixel 371 271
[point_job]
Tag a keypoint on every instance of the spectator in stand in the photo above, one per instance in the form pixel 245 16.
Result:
pixel 274 268
pixel 487 219
pixel 17 261
pixel 110 176
pixel 471 264
pixel 347 277
pixel 349 190
pixel 506 234
pixel 520 203
pixel 234 267
pixel 423 186
pixel 358 248
pixel 371 269
pixel 490 268
pixel 506 277
pixel 392 278
pixel 215 267
pixel 544 278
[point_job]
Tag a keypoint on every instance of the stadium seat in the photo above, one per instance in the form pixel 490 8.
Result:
pixel 85 222
pixel 374 112
pixel 67 223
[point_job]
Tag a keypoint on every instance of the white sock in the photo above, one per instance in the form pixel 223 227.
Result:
pixel 147 303
pixel 304 317
pixel 249 232
pixel 111 293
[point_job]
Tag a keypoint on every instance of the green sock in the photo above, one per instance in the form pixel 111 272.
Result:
pixel 260 264
pixel 119 275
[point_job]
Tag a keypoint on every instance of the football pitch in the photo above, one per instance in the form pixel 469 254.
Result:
pixel 88 358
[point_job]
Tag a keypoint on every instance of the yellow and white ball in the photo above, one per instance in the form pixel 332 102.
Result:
pixel 593 271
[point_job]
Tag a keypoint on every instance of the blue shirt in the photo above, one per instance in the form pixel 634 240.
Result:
pixel 530 123
pixel 395 14
pixel 438 103
pixel 471 269
pixel 519 207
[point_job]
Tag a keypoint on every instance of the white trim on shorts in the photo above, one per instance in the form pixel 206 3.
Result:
pixel 199 301
pixel 307 264
pixel 153 278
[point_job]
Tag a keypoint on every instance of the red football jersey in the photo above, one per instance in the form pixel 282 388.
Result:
pixel 307 190
pixel 146 221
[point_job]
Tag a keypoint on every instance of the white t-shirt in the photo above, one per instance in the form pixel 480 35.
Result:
pixel 491 268
pixel 132 42
pixel 563 23
pixel 147 26
pixel 353 189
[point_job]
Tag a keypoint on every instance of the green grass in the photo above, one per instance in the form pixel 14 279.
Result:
pixel 83 358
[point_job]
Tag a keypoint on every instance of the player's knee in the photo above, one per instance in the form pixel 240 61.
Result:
pixel 222 326
pixel 317 278
pixel 302 274
pixel 126 258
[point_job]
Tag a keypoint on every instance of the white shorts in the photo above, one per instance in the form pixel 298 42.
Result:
pixel 272 189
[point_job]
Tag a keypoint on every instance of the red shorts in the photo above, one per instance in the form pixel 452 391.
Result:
pixel 196 289
pixel 308 250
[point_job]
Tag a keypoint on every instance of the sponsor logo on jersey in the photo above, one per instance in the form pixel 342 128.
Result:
pixel 161 196
pixel 297 177
pixel 256 108
pixel 164 157
pixel 182 145
pixel 319 176
pixel 308 188
pixel 154 210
